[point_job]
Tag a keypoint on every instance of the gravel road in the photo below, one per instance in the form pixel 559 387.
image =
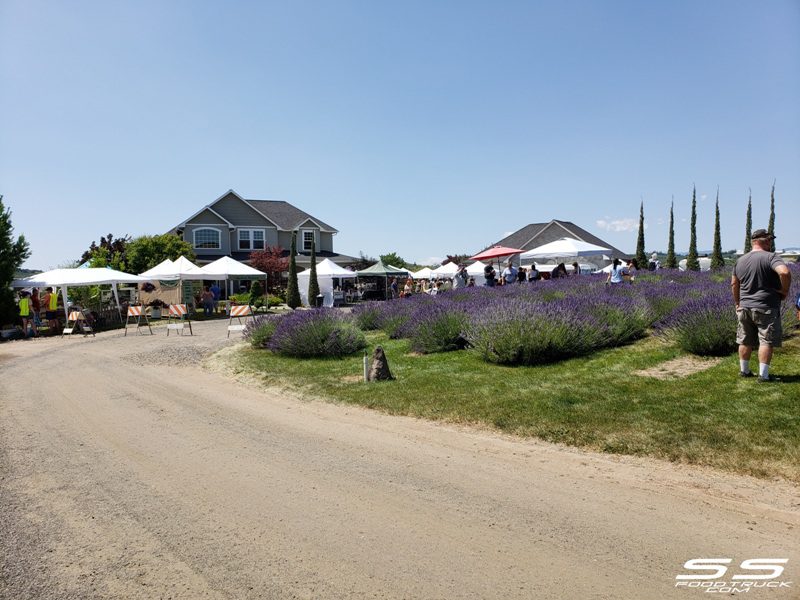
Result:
pixel 134 468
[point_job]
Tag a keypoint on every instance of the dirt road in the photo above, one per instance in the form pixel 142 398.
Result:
pixel 129 470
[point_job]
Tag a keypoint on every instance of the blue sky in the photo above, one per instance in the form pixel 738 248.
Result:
pixel 424 128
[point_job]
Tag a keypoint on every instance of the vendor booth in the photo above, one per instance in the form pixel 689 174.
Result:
pixel 330 277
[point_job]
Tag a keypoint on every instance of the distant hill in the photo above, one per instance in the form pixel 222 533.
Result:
pixel 22 273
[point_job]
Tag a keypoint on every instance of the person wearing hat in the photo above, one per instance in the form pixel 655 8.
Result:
pixel 760 282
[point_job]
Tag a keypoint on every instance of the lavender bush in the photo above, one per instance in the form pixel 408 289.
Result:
pixel 259 330
pixel 315 333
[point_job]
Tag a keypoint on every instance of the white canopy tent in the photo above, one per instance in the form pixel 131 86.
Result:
pixel 423 273
pixel 449 270
pixel 66 278
pixel 705 264
pixel 226 268
pixel 327 271
pixel 181 269
pixel 476 270
pixel 563 248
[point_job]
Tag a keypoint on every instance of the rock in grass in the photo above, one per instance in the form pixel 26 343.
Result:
pixel 379 370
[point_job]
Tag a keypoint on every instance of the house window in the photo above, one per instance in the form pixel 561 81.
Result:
pixel 308 239
pixel 207 238
pixel 251 239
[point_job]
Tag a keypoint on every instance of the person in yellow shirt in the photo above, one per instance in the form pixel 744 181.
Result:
pixel 51 308
pixel 26 313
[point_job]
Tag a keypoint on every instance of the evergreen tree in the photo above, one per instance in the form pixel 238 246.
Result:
pixel 313 283
pixel 255 293
pixel 672 262
pixel 717 262
pixel 692 263
pixel 12 254
pixel 771 227
pixel 641 257
pixel 293 289
pixel 748 227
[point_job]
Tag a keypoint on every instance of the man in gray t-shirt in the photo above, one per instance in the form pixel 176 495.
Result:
pixel 760 282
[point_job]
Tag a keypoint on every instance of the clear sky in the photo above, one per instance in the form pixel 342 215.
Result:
pixel 419 127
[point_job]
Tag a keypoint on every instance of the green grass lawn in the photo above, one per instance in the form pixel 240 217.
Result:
pixel 712 417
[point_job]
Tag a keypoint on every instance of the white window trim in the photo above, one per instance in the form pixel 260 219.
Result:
pixel 251 230
pixel 194 237
pixel 303 239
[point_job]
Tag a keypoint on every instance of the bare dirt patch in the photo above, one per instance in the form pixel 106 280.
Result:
pixel 683 366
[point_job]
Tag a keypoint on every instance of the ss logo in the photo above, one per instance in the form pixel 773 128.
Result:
pixel 762 568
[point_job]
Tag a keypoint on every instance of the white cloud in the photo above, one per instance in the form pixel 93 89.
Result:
pixel 618 225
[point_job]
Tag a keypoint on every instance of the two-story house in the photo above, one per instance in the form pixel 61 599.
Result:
pixel 234 226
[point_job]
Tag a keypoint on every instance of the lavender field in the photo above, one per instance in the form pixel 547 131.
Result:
pixel 536 323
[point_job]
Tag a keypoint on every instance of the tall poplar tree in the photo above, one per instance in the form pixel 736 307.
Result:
pixel 641 257
pixel 12 254
pixel 313 282
pixel 771 227
pixel 672 262
pixel 717 262
pixel 748 226
pixel 292 288
pixel 692 263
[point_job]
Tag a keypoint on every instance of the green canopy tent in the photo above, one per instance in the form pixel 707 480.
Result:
pixel 382 271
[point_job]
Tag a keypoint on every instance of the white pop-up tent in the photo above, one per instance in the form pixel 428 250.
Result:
pixel 327 271
pixel 449 270
pixel 476 270
pixel 66 278
pixel 181 269
pixel 423 273
pixel 563 248
pixel 226 268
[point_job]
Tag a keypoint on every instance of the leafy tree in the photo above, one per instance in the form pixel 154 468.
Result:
pixel 313 283
pixel 364 261
pixel 12 254
pixel 771 227
pixel 672 261
pixel 272 261
pixel 641 257
pixel 147 251
pixel 692 263
pixel 293 289
pixel 393 259
pixel 459 259
pixel 748 227
pixel 717 262
pixel 110 252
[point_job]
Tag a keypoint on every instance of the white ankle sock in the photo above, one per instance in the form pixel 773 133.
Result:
pixel 763 370
pixel 744 366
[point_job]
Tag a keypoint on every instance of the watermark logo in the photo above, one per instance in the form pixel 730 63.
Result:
pixel 718 576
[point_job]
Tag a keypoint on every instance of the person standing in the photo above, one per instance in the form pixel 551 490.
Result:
pixel 489 274
pixel 617 272
pixel 460 278
pixel 214 289
pixel 760 281
pixel 51 309
pixel 26 314
pixel 207 300
pixel 510 272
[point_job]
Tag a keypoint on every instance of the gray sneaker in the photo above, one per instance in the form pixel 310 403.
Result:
pixel 769 379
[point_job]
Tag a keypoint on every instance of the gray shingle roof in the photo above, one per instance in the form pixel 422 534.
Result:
pixel 285 215
pixel 538 234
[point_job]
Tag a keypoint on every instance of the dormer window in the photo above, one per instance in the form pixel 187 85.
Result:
pixel 207 239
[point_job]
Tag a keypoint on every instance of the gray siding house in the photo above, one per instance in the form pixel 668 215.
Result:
pixel 234 226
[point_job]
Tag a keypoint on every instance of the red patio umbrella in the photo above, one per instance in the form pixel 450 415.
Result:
pixel 496 252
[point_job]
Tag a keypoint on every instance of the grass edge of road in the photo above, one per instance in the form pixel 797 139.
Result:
pixel 710 417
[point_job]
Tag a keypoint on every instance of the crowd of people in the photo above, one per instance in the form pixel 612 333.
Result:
pixel 511 274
